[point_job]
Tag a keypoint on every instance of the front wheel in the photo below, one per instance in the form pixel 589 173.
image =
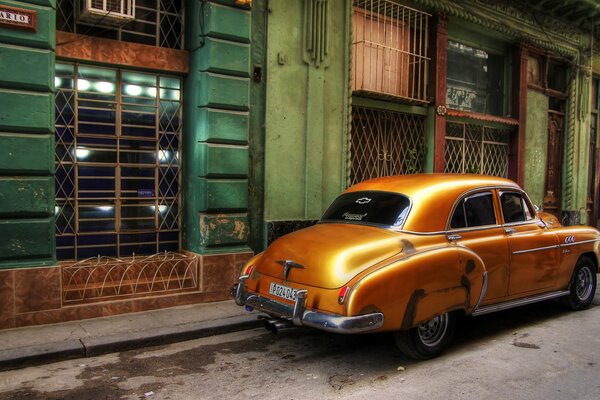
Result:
pixel 429 339
pixel 583 285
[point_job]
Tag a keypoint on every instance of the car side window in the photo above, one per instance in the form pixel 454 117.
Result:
pixel 515 208
pixel 477 210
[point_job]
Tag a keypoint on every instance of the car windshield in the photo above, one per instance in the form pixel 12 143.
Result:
pixel 369 207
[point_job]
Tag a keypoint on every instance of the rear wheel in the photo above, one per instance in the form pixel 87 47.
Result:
pixel 583 285
pixel 429 339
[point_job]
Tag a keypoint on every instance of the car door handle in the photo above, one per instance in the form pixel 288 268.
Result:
pixel 453 236
pixel 509 231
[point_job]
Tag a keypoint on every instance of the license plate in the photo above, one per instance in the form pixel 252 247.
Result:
pixel 283 291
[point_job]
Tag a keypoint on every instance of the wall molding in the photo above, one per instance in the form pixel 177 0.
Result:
pixel 114 52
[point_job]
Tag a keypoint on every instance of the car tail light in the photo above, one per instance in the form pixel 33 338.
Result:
pixel 342 295
pixel 248 270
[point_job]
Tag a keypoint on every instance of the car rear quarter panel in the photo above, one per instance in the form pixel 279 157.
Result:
pixel 414 288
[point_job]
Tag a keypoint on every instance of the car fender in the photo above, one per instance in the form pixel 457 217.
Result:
pixel 473 278
pixel 411 289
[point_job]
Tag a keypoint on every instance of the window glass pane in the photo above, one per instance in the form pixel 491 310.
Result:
pixel 515 208
pixel 138 216
pixel 381 208
pixel 479 210
pixel 458 218
pixel 96 218
pixel 475 80
pixel 170 83
pixel 557 76
pixel 92 245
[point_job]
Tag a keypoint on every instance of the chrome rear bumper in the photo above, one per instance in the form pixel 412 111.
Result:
pixel 300 316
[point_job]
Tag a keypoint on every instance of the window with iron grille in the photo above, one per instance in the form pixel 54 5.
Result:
pixel 476 149
pixel 118 144
pixel 389 50
pixel 157 23
pixel 386 143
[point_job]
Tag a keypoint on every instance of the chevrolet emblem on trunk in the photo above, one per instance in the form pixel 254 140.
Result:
pixel 287 265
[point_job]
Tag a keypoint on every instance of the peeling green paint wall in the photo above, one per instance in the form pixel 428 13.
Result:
pixel 216 109
pixel 536 148
pixel 27 139
pixel 306 115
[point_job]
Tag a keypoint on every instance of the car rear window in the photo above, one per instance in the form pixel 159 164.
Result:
pixel 369 207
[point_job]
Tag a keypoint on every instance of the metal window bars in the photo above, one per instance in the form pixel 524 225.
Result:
pixel 476 149
pixel 386 143
pixel 389 50
pixel 157 23
pixel 118 146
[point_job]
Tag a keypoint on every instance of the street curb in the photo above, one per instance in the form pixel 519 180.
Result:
pixel 40 354
pixel 110 344
pixel 95 346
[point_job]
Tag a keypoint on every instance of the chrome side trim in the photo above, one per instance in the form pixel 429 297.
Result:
pixel 517 303
pixel 300 316
pixel 483 290
pixel 536 249
pixel 576 243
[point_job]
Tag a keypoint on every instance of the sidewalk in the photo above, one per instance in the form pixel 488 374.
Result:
pixel 91 337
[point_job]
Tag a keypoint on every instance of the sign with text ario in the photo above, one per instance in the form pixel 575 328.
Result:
pixel 17 18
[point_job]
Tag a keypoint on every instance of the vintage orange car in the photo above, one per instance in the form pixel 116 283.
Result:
pixel 410 253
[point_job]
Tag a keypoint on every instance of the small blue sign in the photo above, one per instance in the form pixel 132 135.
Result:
pixel 145 192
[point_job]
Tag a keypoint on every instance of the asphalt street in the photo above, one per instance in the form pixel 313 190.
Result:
pixel 535 352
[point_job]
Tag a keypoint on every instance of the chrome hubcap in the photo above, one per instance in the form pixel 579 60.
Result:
pixel 432 332
pixel 583 284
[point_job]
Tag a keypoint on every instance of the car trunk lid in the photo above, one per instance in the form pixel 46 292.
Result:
pixel 328 255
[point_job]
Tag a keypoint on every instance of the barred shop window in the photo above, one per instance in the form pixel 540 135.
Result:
pixel 389 51
pixel 475 80
pixel 476 149
pixel 157 22
pixel 118 145
pixel 386 143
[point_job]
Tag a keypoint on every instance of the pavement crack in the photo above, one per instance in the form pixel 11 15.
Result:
pixel 85 352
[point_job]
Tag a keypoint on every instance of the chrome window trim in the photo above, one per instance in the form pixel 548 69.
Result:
pixel 474 229
pixel 522 223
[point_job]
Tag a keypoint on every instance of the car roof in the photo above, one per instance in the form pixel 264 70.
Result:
pixel 432 195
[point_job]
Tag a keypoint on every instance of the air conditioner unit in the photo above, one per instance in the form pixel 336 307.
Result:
pixel 105 12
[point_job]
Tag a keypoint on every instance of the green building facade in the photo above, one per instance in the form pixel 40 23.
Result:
pixel 531 122
pixel 146 156
pixel 125 156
